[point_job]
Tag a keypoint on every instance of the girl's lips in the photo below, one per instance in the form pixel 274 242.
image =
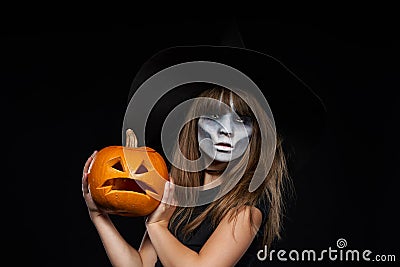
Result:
pixel 224 144
pixel 225 147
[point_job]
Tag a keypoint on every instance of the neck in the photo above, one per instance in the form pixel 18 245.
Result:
pixel 214 171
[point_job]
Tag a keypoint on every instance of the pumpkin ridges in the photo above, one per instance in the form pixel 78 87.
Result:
pixel 157 160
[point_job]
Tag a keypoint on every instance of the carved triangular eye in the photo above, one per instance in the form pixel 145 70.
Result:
pixel 118 166
pixel 141 169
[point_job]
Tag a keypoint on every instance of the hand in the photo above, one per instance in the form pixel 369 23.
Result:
pixel 163 213
pixel 94 210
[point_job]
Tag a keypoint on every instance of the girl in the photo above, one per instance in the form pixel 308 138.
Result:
pixel 231 229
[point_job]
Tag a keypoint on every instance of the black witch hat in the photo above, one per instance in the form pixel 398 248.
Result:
pixel 299 113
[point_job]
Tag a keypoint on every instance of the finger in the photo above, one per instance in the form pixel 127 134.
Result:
pixel 171 194
pixel 88 161
pixel 173 202
pixel 166 193
pixel 85 188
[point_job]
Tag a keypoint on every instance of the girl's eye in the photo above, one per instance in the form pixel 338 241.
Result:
pixel 239 119
pixel 243 119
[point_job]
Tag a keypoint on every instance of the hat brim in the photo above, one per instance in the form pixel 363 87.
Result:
pixel 299 113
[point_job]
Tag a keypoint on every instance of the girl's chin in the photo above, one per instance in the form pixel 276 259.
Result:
pixel 224 158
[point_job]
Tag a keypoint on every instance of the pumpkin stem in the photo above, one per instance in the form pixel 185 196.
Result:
pixel 131 139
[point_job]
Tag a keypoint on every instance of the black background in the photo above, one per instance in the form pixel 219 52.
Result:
pixel 64 89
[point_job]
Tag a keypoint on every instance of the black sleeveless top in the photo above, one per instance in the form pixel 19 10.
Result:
pixel 198 237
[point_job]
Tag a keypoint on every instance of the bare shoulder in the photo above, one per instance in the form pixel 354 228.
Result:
pixel 243 218
pixel 232 237
pixel 247 211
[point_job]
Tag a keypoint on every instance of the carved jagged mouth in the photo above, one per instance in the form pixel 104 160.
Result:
pixel 128 184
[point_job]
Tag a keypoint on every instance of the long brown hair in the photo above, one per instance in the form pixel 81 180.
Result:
pixel 270 193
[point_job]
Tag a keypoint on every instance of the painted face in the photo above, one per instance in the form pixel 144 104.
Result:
pixel 224 136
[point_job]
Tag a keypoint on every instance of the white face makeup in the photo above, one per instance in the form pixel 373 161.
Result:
pixel 224 136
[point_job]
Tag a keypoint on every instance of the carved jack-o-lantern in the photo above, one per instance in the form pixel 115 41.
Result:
pixel 127 181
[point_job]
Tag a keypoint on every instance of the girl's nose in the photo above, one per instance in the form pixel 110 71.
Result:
pixel 226 126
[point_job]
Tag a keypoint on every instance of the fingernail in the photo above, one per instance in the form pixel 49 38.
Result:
pixel 94 153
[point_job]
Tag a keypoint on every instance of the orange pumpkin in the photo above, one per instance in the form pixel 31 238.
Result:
pixel 127 181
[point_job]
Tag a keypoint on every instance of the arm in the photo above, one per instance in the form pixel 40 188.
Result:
pixel 223 248
pixel 119 252
pixel 147 251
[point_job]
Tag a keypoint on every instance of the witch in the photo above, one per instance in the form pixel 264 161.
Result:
pixel 228 149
